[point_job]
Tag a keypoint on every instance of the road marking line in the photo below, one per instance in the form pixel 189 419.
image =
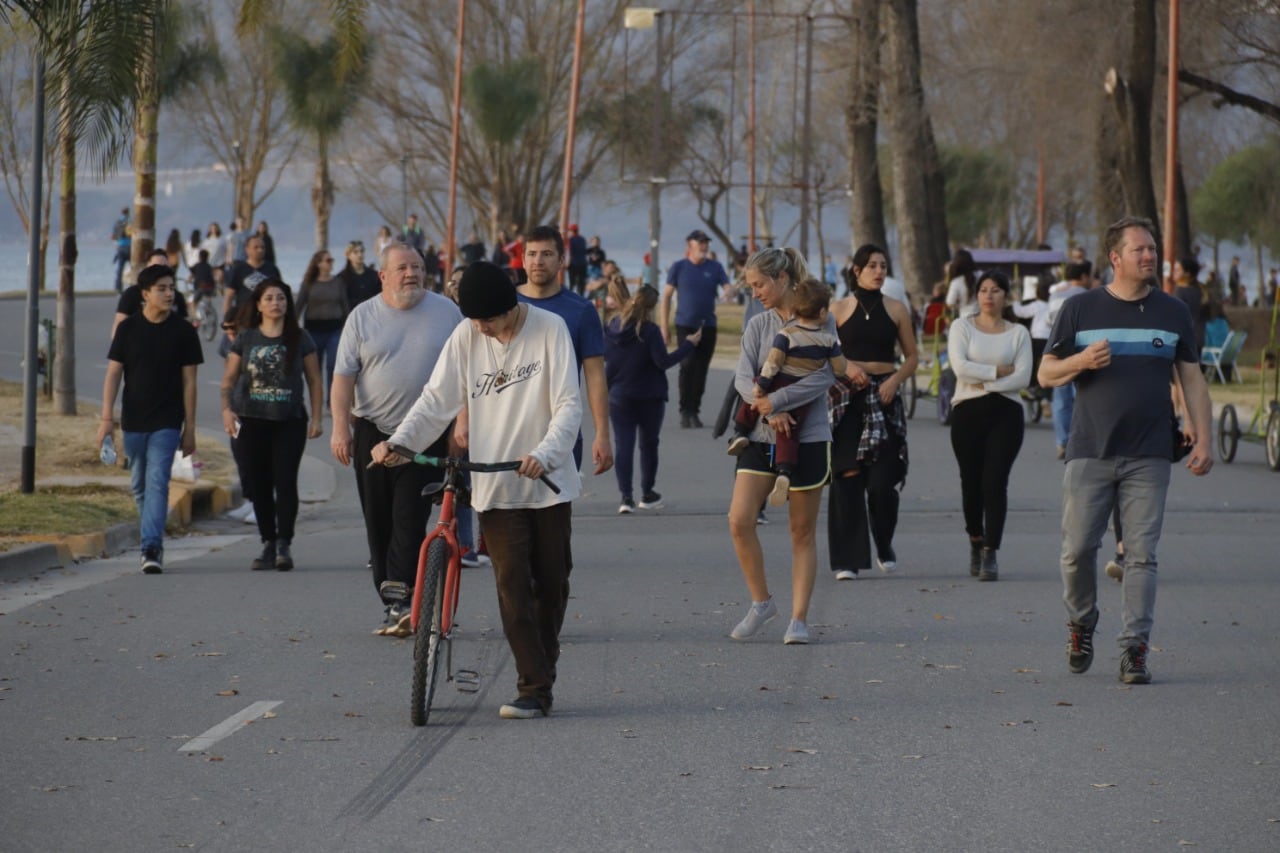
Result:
pixel 227 727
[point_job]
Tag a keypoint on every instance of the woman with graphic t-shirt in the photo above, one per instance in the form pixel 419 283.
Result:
pixel 264 375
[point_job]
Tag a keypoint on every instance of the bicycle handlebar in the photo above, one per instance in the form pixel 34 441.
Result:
pixel 464 464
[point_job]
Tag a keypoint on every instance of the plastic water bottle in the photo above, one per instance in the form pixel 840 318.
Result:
pixel 108 453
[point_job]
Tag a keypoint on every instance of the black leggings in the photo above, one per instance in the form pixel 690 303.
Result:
pixel 986 435
pixel 272 451
pixel 864 507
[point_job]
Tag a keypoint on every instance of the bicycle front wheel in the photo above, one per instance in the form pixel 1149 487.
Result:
pixel 428 639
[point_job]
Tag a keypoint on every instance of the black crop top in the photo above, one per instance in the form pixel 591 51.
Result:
pixel 869 335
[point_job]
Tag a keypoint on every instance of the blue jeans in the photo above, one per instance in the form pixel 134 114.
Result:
pixel 150 463
pixel 1136 487
pixel 1064 403
pixel 327 352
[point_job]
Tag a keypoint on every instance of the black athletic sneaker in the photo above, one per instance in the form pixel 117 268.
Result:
pixel 651 500
pixel 1079 648
pixel 284 557
pixel 265 560
pixel 524 708
pixel 152 561
pixel 1133 665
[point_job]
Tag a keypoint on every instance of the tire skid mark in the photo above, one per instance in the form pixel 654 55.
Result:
pixel 445 723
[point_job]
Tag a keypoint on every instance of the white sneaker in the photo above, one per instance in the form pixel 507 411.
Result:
pixel 846 575
pixel 738 445
pixel 239 513
pixel 797 634
pixel 251 518
pixel 781 487
pixel 758 614
pixel 887 566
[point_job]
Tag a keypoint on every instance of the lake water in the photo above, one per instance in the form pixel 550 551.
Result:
pixel 95 268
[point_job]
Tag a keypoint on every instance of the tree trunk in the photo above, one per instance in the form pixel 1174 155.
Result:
pixel 866 204
pixel 917 172
pixel 1130 96
pixel 145 123
pixel 64 366
pixel 322 194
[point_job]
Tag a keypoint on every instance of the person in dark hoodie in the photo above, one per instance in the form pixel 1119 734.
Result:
pixel 635 363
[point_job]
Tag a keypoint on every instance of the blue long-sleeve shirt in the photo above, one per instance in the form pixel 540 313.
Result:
pixel 635 366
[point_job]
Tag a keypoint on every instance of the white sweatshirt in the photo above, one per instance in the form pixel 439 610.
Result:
pixel 536 409
pixel 976 354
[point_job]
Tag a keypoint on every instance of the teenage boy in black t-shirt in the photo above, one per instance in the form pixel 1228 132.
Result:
pixel 155 353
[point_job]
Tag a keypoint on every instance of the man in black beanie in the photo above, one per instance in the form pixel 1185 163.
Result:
pixel 510 378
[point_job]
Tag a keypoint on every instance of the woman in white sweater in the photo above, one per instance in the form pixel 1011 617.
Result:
pixel 991 357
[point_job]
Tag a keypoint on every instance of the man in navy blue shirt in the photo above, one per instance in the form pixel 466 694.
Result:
pixel 697 280
pixel 1121 345
pixel 577 261
pixel 544 258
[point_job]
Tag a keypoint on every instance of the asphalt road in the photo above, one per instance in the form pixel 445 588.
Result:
pixel 930 713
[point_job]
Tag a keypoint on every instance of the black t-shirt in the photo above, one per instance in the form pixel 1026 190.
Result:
pixel 244 279
pixel 130 302
pixel 360 285
pixel 595 256
pixel 266 387
pixel 202 276
pixel 153 355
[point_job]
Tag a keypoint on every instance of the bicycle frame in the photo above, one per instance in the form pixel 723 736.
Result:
pixel 447 529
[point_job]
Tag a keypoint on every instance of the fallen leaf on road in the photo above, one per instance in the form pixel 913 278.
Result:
pixel 352 714
pixel 873 681
pixel 802 750
pixel 1064 704
pixel 230 692
pixel 1185 843
pixel 757 767
pixel 215 758
pixel 269 715
pixel 1104 784
pixel 210 654
pixel 1022 670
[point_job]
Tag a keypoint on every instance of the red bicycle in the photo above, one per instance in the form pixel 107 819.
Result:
pixel 439 580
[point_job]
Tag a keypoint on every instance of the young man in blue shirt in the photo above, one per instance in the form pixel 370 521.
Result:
pixel 697 280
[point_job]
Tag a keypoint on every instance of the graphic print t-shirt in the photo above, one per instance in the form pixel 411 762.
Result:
pixel 268 388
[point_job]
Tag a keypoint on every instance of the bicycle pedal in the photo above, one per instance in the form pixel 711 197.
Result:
pixel 467 680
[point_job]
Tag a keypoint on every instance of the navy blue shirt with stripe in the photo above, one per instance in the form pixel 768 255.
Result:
pixel 1124 409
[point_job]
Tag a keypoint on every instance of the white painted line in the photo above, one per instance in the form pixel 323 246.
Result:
pixel 227 727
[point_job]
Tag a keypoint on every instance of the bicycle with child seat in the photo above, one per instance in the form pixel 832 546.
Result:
pixel 438 582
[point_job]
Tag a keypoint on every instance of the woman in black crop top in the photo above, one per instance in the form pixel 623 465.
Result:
pixel 866 475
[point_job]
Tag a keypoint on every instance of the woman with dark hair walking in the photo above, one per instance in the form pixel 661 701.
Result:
pixel 635 364
pixel 323 306
pixel 264 375
pixel 962 292
pixel 991 357
pixel 869 431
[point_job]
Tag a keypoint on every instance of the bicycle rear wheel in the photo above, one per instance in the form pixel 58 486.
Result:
pixel 428 639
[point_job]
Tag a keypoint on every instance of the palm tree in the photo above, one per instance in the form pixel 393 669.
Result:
pixel 347 22
pixel 169 63
pixel 90 49
pixel 319 96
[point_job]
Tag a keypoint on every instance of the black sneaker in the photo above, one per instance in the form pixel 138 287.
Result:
pixel 627 506
pixel 1079 648
pixel 1133 665
pixel 524 708
pixel 265 560
pixel 651 500
pixel 152 561
pixel 988 569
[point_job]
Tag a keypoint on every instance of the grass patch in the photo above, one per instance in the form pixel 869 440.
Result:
pixel 62 510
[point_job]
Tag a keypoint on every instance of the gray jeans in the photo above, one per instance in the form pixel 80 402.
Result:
pixel 1091 487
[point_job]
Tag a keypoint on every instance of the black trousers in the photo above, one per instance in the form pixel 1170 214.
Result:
pixel 862 508
pixel 986 435
pixel 532 559
pixel 272 451
pixel 395 513
pixel 693 370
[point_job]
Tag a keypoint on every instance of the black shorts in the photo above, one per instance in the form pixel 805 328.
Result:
pixel 812 471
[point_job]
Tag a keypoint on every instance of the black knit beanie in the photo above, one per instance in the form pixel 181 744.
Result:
pixel 485 291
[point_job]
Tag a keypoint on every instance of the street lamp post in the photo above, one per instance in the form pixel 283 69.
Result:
pixel 638 18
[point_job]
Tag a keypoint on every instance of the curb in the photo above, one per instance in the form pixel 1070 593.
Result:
pixel 188 502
